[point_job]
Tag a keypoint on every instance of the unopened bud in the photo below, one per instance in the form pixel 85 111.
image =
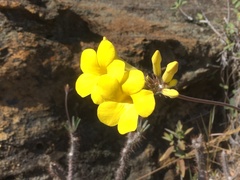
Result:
pixel 171 69
pixel 156 63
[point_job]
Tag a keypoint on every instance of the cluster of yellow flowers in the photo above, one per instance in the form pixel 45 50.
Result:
pixel 118 88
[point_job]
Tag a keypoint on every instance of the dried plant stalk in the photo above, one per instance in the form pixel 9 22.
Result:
pixel 197 144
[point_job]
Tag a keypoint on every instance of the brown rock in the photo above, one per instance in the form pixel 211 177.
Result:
pixel 40 45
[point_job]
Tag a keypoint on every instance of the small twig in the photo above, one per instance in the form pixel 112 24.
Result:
pixel 210 25
pixel 185 14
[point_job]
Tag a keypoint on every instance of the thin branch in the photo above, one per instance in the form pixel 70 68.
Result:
pixel 187 16
pixel 67 90
pixel 205 101
pixel 210 25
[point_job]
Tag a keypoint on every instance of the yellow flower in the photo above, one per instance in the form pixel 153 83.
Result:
pixel 95 64
pixel 125 101
pixel 115 86
pixel 165 82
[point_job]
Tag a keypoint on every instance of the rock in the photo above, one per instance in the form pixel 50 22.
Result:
pixel 40 45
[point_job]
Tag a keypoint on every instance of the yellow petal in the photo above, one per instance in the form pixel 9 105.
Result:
pixel 156 63
pixel 105 53
pixel 116 69
pixel 107 88
pixel 144 102
pixel 109 113
pixel 172 93
pixel 171 69
pixel 85 83
pixel 89 63
pixel 129 119
pixel 96 97
pixel 172 83
pixel 129 67
pixel 134 82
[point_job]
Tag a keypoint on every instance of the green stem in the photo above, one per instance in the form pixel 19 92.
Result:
pixel 205 101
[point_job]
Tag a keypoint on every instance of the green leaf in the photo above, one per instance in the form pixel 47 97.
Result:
pixel 73 125
pixel 224 86
pixel 234 1
pixel 188 131
pixel 171 132
pixel 167 136
pixel 179 126
pixel 181 145
pixel 237 5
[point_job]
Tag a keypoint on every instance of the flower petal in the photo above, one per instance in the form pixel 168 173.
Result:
pixel 116 69
pixel 110 112
pixel 105 53
pixel 134 82
pixel 129 67
pixel 172 93
pixel 89 63
pixel 156 63
pixel 171 69
pixel 172 83
pixel 96 96
pixel 144 102
pixel 85 83
pixel 107 88
pixel 129 119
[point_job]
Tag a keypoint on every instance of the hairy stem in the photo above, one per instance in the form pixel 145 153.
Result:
pixel 72 154
pixel 205 101
pixel 133 138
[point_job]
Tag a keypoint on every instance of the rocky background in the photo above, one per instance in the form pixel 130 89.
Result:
pixel 40 45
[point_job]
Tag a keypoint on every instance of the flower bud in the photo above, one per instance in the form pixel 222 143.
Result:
pixel 172 93
pixel 171 69
pixel 156 63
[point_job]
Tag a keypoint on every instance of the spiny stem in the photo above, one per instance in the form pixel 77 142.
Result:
pixel 132 139
pixel 205 101
pixel 72 154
